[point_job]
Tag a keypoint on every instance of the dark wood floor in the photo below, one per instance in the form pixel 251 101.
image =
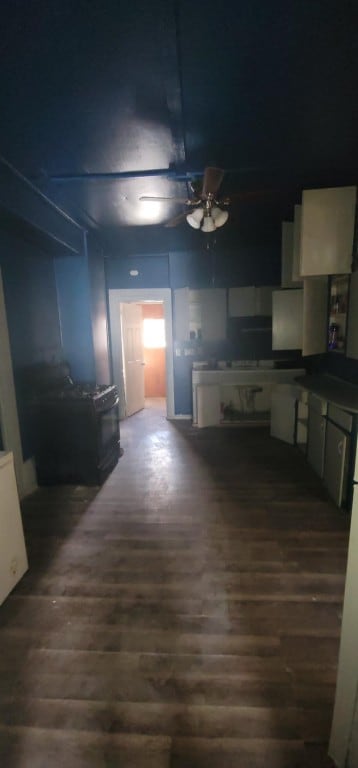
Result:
pixel 186 615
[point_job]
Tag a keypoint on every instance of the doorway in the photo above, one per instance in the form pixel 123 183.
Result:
pixel 143 355
pixel 161 297
pixel 154 351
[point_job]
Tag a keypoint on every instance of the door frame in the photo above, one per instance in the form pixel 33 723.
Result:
pixel 119 296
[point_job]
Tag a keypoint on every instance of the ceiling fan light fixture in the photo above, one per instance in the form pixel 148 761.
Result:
pixel 195 218
pixel 208 224
pixel 220 217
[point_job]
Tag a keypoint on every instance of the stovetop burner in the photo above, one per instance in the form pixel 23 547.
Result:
pixel 79 391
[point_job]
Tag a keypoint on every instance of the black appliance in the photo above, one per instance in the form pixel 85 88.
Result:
pixel 77 438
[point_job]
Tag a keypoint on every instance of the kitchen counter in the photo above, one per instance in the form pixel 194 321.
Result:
pixel 334 390
pixel 246 375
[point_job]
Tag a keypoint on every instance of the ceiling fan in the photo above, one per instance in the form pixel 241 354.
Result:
pixel 206 211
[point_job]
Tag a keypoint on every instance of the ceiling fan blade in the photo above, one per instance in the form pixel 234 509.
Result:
pixel 149 198
pixel 211 181
pixel 177 220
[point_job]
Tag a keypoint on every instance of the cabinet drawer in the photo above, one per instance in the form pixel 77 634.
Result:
pixel 341 418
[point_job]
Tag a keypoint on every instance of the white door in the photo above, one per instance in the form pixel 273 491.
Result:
pixel 133 362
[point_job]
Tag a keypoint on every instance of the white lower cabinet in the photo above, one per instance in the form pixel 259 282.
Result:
pixel 13 557
pixel 284 413
pixel 317 409
pixel 335 462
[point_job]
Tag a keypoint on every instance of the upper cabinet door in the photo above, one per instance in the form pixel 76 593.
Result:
pixel 250 301
pixel 286 254
pixel 242 301
pixel 296 277
pixel 287 309
pixel 315 331
pixel 213 313
pixel 264 300
pixel 352 332
pixel 327 231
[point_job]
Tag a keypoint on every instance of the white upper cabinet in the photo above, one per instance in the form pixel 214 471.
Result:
pixel 315 331
pixel 212 302
pixel 287 319
pixel 299 319
pixel 264 300
pixel 286 254
pixel 327 231
pixel 352 331
pixel 250 301
pixel 242 301
pixel 290 243
pixel 296 277
pixel 200 314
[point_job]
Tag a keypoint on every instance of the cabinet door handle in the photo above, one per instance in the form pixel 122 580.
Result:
pixel 340 447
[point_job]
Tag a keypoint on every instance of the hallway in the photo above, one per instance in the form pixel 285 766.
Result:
pixel 185 615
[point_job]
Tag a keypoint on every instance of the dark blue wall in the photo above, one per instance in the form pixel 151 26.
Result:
pixel 153 271
pixel 196 269
pixel 74 300
pixel 55 299
pixel 98 298
pixel 32 316
pixel 31 303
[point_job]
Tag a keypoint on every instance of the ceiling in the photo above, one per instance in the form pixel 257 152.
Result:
pixel 103 101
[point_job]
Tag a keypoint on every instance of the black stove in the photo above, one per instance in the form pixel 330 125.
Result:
pixel 99 396
pixel 77 431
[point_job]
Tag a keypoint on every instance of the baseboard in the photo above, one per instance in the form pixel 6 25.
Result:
pixel 181 416
pixel 29 479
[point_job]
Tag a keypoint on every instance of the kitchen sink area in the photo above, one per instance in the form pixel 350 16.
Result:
pixel 239 394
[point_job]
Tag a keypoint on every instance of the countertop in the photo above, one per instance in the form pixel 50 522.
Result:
pixel 246 376
pixel 334 390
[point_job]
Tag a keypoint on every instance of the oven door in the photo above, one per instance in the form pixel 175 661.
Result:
pixel 108 433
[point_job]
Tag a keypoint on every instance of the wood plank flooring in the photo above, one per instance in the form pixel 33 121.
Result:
pixel 185 615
